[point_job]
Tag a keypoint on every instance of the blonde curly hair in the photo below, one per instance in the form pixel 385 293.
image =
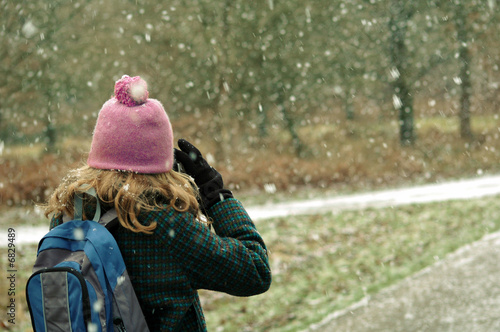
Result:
pixel 128 192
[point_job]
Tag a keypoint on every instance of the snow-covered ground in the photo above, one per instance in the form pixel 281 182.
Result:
pixel 462 189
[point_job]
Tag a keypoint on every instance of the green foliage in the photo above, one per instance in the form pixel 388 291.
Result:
pixel 263 64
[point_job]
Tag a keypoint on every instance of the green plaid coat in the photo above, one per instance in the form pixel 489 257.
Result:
pixel 183 255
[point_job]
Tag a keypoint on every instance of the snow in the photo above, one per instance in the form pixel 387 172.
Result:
pixel 454 190
pixel 29 29
pixel 397 102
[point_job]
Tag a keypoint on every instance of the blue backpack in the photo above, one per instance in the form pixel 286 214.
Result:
pixel 79 280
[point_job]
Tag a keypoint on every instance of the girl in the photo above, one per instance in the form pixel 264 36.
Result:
pixel 168 247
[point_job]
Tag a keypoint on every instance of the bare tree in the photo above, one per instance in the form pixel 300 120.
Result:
pixel 400 13
pixel 34 35
pixel 464 57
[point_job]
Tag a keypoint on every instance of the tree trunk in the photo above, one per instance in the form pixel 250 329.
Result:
pixel 403 99
pixel 349 105
pixel 464 76
pixel 50 137
pixel 221 95
pixel 290 126
pixel 263 121
pixel 50 130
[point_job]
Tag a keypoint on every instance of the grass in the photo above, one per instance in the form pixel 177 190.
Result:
pixel 452 125
pixel 323 263
pixel 24 260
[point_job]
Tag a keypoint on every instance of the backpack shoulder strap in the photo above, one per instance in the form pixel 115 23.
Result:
pixel 109 219
pixel 79 204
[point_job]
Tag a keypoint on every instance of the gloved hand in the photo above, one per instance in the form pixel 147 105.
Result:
pixel 208 180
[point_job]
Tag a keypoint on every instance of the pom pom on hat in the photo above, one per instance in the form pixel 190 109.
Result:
pixel 133 132
pixel 131 91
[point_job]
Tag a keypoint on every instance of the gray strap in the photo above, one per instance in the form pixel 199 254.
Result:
pixel 109 219
pixel 79 205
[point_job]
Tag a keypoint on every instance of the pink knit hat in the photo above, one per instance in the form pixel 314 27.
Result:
pixel 132 133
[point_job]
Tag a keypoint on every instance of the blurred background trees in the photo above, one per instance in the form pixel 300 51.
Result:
pixel 241 68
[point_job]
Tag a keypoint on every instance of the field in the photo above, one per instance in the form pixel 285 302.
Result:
pixel 323 262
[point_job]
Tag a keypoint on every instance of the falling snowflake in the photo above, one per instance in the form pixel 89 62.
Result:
pixel 29 29
pixel 97 306
pixel 270 188
pixel 394 73
pixel 120 280
pixel 397 102
pixel 91 327
pixel 79 234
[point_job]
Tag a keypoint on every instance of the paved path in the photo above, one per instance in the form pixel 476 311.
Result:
pixel 461 189
pixel 459 293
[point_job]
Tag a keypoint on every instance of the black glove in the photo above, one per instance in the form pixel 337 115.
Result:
pixel 208 180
